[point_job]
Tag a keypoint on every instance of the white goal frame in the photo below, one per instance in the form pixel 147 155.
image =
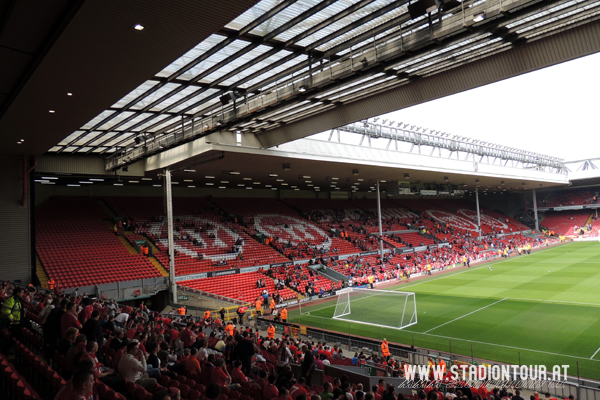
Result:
pixel 343 300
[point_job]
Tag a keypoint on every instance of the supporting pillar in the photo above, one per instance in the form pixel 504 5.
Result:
pixel 478 214
pixel 169 207
pixel 535 213
pixel 380 224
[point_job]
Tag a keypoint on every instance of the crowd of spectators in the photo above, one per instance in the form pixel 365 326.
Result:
pixel 97 341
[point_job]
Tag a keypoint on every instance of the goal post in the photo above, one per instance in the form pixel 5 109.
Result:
pixel 384 308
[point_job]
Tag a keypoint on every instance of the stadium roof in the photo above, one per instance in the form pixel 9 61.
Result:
pixel 282 61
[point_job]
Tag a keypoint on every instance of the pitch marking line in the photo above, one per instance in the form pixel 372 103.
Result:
pixel 596 352
pixel 462 316
pixel 553 301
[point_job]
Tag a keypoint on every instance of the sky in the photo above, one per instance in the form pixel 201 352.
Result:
pixel 553 111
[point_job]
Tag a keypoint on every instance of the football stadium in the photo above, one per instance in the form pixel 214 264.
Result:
pixel 225 201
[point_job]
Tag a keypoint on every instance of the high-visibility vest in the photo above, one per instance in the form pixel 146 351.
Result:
pixel 284 313
pixel 271 332
pixel 181 310
pixel 442 364
pixel 385 350
pixel 206 314
pixel 272 305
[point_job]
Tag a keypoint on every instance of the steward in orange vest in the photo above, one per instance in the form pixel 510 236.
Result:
pixel 271 332
pixel 385 349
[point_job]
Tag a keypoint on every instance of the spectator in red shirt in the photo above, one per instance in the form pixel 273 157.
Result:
pixel 237 376
pixel 187 336
pixel 270 391
pixel 381 388
pixel 192 364
pixel 69 319
pixel 298 388
pixel 375 390
pixel 284 394
pixel 261 382
pixel 221 376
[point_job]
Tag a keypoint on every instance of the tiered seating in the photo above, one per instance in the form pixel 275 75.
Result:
pixel 14 385
pixel 273 218
pixel 77 248
pixel 563 222
pixel 196 220
pixel 240 287
pixel 573 197
pixel 300 271
pixel 394 216
pixel 413 239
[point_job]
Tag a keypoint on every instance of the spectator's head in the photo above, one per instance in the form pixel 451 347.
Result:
pixel 547 395
pixel 72 334
pixel 83 381
pixel 152 348
pixel 237 364
pixel 272 379
pixel 423 396
pixel 517 392
pixel 71 307
pixel 301 397
pixel 369 396
pixel 338 393
pixel 161 395
pixel 392 389
pixel 382 382
pixel 328 387
pixel 81 339
pixel 262 374
pixel 17 291
pixel 374 388
pixel 91 347
pixel 133 347
pixel 315 397
pixel 175 393
pixel 360 395
pixel 85 365
pixel 193 351
pixel 219 362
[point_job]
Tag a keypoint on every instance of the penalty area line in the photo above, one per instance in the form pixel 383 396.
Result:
pixel 462 316
pixel 596 352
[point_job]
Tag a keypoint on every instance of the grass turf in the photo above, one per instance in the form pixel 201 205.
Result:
pixel 543 308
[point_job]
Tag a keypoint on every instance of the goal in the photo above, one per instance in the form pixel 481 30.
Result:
pixel 385 308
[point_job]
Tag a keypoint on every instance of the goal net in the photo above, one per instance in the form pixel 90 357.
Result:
pixel 385 308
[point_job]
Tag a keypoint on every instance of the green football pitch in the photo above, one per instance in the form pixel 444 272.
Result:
pixel 536 309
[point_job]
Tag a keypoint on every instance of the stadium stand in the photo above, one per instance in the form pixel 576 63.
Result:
pixel 573 197
pixel 563 223
pixel 239 287
pixel 205 238
pixel 77 247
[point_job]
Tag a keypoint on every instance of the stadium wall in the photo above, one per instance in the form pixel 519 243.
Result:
pixel 15 234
